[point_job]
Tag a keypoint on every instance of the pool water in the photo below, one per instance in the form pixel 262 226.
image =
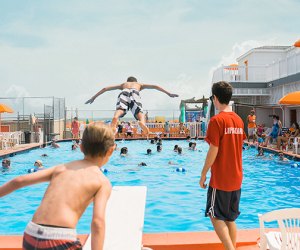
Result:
pixel 175 202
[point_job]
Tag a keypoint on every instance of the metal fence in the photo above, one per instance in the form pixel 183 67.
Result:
pixel 33 115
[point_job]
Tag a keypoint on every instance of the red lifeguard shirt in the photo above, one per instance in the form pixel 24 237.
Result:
pixel 226 131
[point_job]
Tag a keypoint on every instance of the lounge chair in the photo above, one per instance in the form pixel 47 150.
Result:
pixel 124 219
pixel 288 235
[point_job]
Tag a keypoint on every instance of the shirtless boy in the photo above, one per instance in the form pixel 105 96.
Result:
pixel 130 98
pixel 73 186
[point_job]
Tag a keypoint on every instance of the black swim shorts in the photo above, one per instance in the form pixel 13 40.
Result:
pixel 223 205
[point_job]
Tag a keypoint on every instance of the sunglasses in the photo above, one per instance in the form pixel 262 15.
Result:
pixel 211 98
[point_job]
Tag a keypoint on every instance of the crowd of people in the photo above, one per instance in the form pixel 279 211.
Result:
pixel 283 138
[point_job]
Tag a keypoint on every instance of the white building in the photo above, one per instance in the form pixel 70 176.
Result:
pixel 260 78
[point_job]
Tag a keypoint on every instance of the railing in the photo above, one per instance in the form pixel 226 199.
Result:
pixel 286 67
pixel 251 91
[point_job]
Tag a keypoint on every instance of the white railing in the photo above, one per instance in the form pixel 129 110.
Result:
pixel 195 129
pixel 251 91
pixel 286 67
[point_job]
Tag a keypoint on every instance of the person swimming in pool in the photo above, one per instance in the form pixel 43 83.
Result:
pixel 129 99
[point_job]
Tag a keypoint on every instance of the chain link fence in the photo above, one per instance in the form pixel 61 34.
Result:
pixel 41 118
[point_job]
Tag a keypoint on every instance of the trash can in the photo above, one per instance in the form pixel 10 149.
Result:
pixel 27 136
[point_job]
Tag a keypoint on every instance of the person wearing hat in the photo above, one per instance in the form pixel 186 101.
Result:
pixel 251 119
pixel 38 165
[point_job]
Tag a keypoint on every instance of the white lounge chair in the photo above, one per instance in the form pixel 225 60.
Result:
pixel 288 235
pixel 124 219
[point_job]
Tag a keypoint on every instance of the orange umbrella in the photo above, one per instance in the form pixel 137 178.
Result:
pixel 292 98
pixel 4 109
pixel 233 66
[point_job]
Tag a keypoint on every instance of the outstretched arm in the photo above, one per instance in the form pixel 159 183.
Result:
pixel 98 222
pixel 26 180
pixel 150 86
pixel 102 91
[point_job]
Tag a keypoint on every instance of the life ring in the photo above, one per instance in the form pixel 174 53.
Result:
pixel 31 170
pixel 104 170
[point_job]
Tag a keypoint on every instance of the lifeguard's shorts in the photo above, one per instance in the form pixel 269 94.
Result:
pixel 223 205
pixel 38 237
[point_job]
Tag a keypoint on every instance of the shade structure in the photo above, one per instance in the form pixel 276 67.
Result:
pixel 292 98
pixel 233 66
pixel 4 109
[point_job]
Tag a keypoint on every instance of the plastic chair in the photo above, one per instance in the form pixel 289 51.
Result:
pixel 296 145
pixel 288 235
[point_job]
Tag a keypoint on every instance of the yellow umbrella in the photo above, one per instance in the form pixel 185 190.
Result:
pixel 4 109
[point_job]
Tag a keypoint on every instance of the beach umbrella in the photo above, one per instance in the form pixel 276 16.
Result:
pixel 4 109
pixel 292 98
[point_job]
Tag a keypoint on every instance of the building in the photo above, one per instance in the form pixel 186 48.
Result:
pixel 260 78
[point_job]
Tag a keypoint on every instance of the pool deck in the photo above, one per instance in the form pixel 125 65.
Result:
pixel 18 149
pixel 247 240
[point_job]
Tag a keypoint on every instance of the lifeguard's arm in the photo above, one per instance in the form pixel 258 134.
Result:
pixel 210 159
pixel 114 87
pixel 150 86
pixel 98 222
pixel 26 180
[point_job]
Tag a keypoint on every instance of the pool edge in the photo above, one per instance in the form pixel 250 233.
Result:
pixel 165 241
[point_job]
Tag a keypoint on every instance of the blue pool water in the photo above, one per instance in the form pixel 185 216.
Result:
pixel 175 201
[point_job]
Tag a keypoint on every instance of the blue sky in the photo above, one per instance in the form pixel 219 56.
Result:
pixel 74 48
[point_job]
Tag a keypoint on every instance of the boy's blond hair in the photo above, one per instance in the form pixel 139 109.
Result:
pixel 97 139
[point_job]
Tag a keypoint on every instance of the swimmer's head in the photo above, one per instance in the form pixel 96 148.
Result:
pixel 149 151
pixel 179 150
pixel 38 163
pixel 124 151
pixel 131 79
pixel 142 164
pixel 152 141
pixel 280 154
pixel 159 148
pixel 6 163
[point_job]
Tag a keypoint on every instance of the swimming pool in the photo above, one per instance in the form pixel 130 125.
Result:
pixel 175 201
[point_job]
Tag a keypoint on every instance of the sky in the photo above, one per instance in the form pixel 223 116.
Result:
pixel 73 49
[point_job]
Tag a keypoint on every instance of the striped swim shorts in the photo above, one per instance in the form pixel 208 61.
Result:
pixel 38 237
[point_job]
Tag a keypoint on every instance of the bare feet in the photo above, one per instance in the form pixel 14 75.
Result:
pixel 144 128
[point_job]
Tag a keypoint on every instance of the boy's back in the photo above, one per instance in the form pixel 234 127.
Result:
pixel 71 189
pixel 132 85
